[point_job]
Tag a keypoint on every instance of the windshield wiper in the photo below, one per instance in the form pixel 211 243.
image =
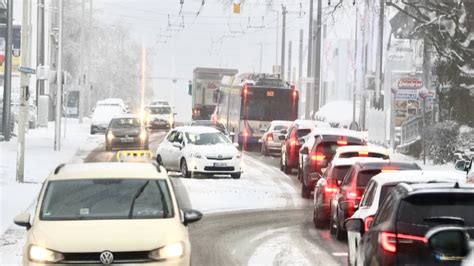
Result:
pixel 137 194
pixel 445 220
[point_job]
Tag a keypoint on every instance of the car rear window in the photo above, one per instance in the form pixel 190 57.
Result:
pixel 370 154
pixel 303 132
pixel 280 128
pixel 339 172
pixel 384 191
pixel 433 209
pixel 364 177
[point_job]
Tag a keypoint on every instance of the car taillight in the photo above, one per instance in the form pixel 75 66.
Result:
pixel 318 157
pixel 342 142
pixel 363 153
pixel 245 133
pixel 353 195
pixel 388 240
pixel 368 222
pixel 330 189
pixel 270 137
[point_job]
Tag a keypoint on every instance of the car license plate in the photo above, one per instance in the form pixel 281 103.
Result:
pixel 126 140
pixel 220 164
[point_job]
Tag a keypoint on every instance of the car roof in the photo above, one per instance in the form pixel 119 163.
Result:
pixel 357 148
pixel 197 129
pixel 418 176
pixel 159 105
pixel 339 132
pixel 110 170
pixel 281 122
pixel 380 164
pixel 126 116
pixel 303 124
pixel 353 160
pixel 439 187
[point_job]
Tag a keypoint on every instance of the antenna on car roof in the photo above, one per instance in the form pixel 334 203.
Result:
pixel 58 168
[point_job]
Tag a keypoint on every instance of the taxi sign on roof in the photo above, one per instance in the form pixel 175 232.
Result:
pixel 134 156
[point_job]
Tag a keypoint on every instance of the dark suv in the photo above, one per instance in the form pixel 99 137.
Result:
pixel 292 143
pixel 346 200
pixel 397 235
pixel 319 154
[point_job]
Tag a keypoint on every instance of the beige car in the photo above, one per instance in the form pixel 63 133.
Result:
pixel 107 213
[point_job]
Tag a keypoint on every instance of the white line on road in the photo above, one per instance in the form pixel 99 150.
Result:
pixel 340 254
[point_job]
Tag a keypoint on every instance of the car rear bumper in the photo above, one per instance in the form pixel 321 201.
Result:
pixel 159 125
pixel 273 146
pixel 207 166
pixel 135 142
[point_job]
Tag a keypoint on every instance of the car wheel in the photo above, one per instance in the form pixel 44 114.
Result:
pixel 235 176
pixel 184 169
pixel 159 161
pixel 332 230
pixel 305 191
pixel 286 168
pixel 341 234
pixel 92 131
pixel 318 223
pixel 281 163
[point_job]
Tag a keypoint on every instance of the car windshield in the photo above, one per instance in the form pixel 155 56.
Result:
pixel 303 132
pixel 206 138
pixel 125 123
pixel 160 110
pixel 103 199
pixel 363 154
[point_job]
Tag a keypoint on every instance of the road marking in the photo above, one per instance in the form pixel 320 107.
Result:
pixel 340 254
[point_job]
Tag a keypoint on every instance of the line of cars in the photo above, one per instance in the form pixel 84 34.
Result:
pixel 384 208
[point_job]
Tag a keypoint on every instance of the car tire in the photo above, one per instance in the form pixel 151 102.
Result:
pixel 236 176
pixel 92 132
pixel 159 161
pixel 332 230
pixel 305 191
pixel 341 234
pixel 184 169
pixel 318 223
pixel 264 150
pixel 286 168
pixel 281 163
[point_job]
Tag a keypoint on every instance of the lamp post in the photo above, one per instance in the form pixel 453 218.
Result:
pixel 423 93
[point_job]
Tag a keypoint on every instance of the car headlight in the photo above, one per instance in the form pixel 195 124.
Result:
pixel 143 135
pixel 171 251
pixel 196 155
pixel 39 254
pixel 110 135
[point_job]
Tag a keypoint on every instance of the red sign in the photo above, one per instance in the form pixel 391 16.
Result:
pixel 410 83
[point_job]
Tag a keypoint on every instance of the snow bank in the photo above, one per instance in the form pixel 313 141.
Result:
pixel 337 112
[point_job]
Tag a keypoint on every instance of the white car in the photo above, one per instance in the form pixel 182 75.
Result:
pixel 379 187
pixel 271 141
pixel 199 150
pixel 159 116
pixel 362 151
pixel 107 213
pixel 102 116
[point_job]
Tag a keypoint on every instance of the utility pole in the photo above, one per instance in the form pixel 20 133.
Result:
pixel 59 80
pixel 7 77
pixel 290 44
pixel 354 95
pixel 40 48
pixel 82 88
pixel 379 55
pixel 283 40
pixel 89 61
pixel 300 59
pixel 24 92
pixel 317 58
pixel 309 72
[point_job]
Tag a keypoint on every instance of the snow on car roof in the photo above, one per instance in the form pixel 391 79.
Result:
pixel 281 122
pixel 353 160
pixel 339 132
pixel 198 129
pixel 305 123
pixel 419 176
pixel 126 116
pixel 357 148
pixel 111 170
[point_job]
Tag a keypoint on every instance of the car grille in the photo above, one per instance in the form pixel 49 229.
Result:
pixel 94 257
pixel 216 168
pixel 221 158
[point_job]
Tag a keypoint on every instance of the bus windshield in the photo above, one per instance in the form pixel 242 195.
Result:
pixel 266 104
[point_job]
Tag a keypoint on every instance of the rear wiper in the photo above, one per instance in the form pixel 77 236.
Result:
pixel 137 194
pixel 445 220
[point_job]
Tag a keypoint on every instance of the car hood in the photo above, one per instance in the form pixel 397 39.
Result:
pixel 113 235
pixel 217 149
pixel 160 116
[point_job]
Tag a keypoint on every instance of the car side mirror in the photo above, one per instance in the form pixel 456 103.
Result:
pixel 354 225
pixel 191 216
pixel 460 165
pixel 448 242
pixel 177 145
pixel 23 219
pixel 304 150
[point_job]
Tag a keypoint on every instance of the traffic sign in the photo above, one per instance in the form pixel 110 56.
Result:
pixel 26 70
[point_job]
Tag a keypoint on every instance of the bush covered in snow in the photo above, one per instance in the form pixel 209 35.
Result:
pixel 442 141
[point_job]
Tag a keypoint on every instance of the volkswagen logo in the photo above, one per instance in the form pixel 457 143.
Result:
pixel 219 156
pixel 106 257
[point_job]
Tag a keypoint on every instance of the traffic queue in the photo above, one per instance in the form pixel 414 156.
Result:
pixel 390 212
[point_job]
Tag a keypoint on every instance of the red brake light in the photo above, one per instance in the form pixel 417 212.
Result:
pixel 389 170
pixel 341 142
pixel 318 157
pixel 368 222
pixel 388 240
pixel 246 90
pixel 295 93
pixel 352 195
pixel 293 143
pixel 363 153
pixel 330 189
pixel 245 133
pixel 270 137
